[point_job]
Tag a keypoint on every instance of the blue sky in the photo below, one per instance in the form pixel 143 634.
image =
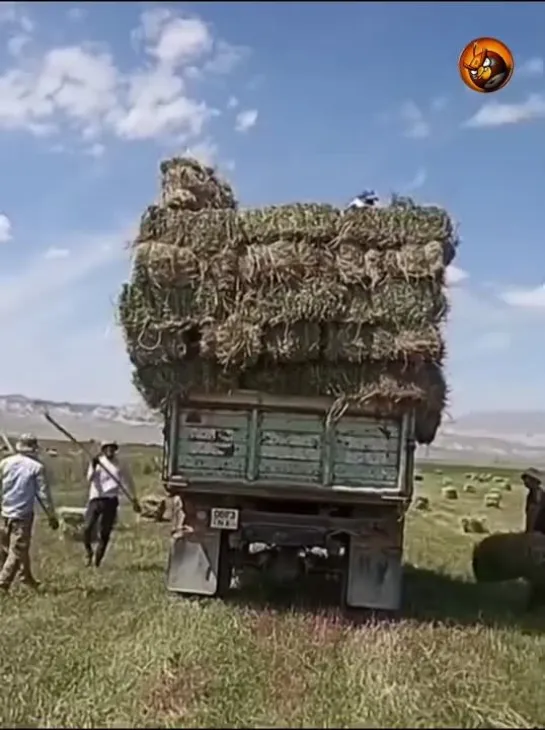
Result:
pixel 292 101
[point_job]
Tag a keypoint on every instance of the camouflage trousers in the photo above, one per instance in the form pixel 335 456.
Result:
pixel 15 539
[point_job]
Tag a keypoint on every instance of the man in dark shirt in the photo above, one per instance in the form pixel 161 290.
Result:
pixel 535 500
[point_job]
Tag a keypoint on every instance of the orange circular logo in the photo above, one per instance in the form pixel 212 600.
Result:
pixel 486 65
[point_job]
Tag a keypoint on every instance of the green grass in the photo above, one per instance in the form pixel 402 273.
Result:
pixel 112 649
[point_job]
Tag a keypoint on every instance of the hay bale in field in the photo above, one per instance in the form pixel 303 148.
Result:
pixel 473 525
pixel 153 507
pixel 449 492
pixel 469 488
pixel 498 479
pixel 71 523
pixel 298 298
pixel 507 486
pixel 422 503
pixel 470 476
pixel 447 481
pixel 492 499
pixel 52 452
pixel 508 556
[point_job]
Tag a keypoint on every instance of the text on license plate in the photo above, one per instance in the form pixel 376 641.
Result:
pixel 224 519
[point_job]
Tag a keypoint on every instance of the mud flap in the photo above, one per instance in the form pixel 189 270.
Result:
pixel 374 577
pixel 194 564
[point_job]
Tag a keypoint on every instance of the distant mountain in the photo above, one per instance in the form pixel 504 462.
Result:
pixel 480 437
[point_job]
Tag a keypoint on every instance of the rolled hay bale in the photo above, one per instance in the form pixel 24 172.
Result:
pixel 422 503
pixel 506 486
pixel 469 488
pixel 187 184
pixel 153 507
pixel 498 479
pixel 438 471
pixel 473 525
pixel 449 493
pixel 509 556
pixel 492 499
pixel 292 300
pixel 470 476
pixel 447 481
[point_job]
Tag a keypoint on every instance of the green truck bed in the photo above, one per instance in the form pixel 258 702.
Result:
pixel 249 442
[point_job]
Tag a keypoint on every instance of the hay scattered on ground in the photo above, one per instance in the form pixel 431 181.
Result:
pixel 299 299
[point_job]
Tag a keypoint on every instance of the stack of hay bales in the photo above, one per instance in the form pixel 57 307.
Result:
pixel 300 299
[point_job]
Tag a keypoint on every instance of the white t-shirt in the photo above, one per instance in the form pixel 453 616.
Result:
pixel 101 484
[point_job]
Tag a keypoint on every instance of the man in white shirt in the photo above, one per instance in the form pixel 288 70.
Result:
pixel 106 477
pixel 24 482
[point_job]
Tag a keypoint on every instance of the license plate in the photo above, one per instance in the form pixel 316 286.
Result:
pixel 224 519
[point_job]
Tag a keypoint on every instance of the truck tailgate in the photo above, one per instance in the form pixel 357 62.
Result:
pixel 275 443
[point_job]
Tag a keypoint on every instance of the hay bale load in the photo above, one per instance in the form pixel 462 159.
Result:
pixel 301 299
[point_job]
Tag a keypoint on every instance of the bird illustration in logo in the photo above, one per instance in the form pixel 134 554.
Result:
pixel 487 69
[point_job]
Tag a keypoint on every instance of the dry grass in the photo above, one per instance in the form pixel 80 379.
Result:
pixel 111 649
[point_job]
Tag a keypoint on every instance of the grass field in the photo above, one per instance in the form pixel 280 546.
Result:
pixel 112 649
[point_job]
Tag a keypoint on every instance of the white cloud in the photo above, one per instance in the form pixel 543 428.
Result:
pixel 232 102
pixel 56 253
pixel 533 298
pixel 82 88
pixel 5 228
pixel 76 13
pixel 16 44
pixel 246 120
pixel 39 311
pixel 414 121
pixel 496 114
pixel 439 103
pixel 455 275
pixel 531 67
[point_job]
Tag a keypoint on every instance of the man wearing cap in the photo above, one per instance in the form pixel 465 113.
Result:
pixel 24 481
pixel 106 477
pixel 535 500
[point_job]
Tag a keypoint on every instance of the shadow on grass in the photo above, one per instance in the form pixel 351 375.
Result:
pixel 428 597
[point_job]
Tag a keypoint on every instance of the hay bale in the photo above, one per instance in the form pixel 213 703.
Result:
pixel 509 556
pixel 187 184
pixel 470 476
pixel 498 479
pixel 492 499
pixel 422 503
pixel 52 452
pixel 447 481
pixel 469 488
pixel 473 525
pixel 298 298
pixel 153 507
pixel 71 523
pixel 449 492
pixel 507 486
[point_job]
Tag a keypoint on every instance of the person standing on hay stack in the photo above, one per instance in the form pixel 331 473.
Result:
pixel 535 500
pixel 106 476
pixel 24 481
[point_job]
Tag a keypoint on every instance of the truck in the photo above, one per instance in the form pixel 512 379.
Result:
pixel 279 484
